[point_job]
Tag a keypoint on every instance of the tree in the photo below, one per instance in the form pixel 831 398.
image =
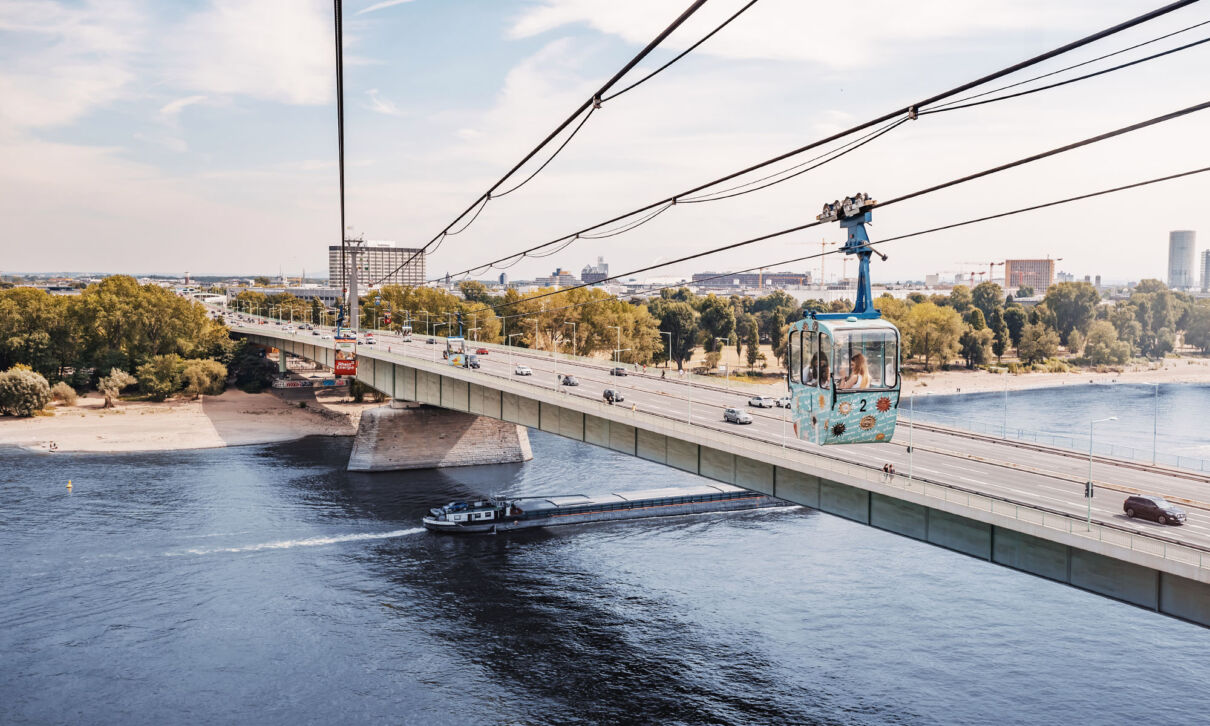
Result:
pixel 1073 304
pixel 1015 319
pixel 974 318
pixel 717 320
pixel 317 311
pixel 1075 342
pixel 160 377
pixel 934 331
pixel 960 298
pixel 679 319
pixel 111 385
pixel 203 377
pixel 23 392
pixel 987 296
pixel 64 393
pixel 1001 337
pixel 753 351
pixel 476 292
pixel 1038 343
pixel 1197 328
pixel 975 345
pixel 1025 291
pixel 1102 346
pixel 262 281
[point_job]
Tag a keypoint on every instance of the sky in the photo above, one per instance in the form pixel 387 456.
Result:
pixel 200 135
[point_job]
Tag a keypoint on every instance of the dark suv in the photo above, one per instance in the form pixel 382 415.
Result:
pixel 619 371
pixel 1153 507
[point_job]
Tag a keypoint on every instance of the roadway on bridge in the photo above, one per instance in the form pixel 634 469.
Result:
pixel 1024 473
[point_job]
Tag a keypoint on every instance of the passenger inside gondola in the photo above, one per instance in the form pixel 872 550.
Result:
pixel 859 373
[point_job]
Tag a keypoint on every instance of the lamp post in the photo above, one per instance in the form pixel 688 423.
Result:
pixel 1088 489
pixel 428 328
pixel 476 332
pixel 726 370
pixel 617 351
pixel 510 348
pixel 1004 426
pixel 573 337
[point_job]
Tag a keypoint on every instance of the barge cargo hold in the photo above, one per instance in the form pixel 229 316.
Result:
pixel 503 515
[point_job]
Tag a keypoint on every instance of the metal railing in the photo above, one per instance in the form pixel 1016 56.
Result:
pixel 1072 442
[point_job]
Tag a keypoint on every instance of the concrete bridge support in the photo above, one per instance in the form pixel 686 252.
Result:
pixel 414 436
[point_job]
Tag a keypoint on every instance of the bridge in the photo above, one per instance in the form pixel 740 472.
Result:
pixel 1014 504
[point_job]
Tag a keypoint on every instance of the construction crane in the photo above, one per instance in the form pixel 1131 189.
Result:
pixel 991 268
pixel 823 256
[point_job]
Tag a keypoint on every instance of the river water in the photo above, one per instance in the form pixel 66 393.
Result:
pixel 267 585
pixel 1170 414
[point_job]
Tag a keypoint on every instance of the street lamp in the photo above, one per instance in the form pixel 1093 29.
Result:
pixel 1088 489
pixel 617 351
pixel 476 332
pixel 573 337
pixel 510 348
pixel 1155 419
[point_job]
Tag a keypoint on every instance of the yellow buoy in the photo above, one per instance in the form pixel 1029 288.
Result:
pixel 69 484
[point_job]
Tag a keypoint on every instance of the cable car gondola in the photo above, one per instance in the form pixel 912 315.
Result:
pixel 844 367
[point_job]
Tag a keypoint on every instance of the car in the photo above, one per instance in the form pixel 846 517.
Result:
pixel 325 336
pixel 613 396
pixel 783 402
pixel 619 371
pixel 314 332
pixel 368 341
pixel 431 341
pixel 472 361
pixel 569 381
pixel 1149 506
pixel 482 351
pixel 734 415
pixel 762 401
pixel 522 371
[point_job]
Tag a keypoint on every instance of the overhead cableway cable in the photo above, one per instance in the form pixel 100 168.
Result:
pixel 893 116
pixel 896 238
pixel 1074 66
pixel 894 200
pixel 1057 84
pixel 589 105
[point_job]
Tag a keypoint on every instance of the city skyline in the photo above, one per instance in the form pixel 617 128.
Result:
pixel 120 104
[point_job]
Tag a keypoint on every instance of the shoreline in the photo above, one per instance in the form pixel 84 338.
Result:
pixel 938 383
pixel 233 418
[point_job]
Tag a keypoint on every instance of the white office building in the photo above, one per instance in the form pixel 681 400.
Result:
pixel 378 262
pixel 1181 245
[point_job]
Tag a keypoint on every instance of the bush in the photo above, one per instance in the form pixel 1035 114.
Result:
pixel 205 376
pixel 64 393
pixel 23 392
pixel 111 385
pixel 160 377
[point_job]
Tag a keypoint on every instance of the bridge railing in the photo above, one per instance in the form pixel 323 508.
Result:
pixel 1072 442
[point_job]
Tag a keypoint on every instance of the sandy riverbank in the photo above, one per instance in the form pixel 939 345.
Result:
pixel 1172 370
pixel 232 419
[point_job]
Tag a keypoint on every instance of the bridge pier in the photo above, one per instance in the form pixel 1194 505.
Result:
pixel 406 435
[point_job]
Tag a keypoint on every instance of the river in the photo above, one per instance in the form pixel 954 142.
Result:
pixel 267 585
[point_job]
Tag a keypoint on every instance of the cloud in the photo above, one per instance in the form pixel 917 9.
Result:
pixel 172 109
pixel 66 60
pixel 382 6
pixel 276 50
pixel 792 30
pixel 378 104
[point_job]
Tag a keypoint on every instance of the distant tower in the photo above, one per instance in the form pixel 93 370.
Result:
pixel 186 279
pixel 1206 271
pixel 1180 258
pixel 504 279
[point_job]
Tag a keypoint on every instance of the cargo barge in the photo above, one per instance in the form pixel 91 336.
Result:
pixel 502 515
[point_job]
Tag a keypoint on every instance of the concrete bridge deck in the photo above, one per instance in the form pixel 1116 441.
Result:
pixel 1019 506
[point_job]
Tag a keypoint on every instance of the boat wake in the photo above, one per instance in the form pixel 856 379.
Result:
pixel 292 543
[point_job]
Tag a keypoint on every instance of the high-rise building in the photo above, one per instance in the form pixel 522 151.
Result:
pixel 592 274
pixel 1180 258
pixel 1205 270
pixel 1037 274
pixel 377 262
